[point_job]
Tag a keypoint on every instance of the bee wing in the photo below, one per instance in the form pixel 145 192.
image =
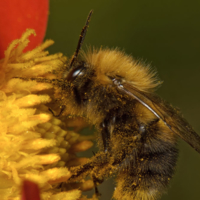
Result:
pixel 165 112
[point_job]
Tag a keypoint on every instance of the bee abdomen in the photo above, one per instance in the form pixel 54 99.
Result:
pixel 150 174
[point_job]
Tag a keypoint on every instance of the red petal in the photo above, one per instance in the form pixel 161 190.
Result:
pixel 18 15
pixel 30 191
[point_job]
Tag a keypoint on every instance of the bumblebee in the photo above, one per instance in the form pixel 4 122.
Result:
pixel 136 130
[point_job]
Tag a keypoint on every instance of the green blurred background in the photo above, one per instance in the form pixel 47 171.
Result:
pixel 165 34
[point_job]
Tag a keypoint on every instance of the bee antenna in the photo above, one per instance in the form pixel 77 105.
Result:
pixel 81 39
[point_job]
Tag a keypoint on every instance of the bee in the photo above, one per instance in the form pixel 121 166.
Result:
pixel 136 130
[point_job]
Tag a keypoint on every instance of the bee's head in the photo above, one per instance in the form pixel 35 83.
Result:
pixel 78 82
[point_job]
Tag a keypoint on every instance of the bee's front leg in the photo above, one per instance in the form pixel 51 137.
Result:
pixel 107 127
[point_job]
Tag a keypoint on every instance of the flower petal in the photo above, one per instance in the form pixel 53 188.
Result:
pixel 18 15
pixel 30 191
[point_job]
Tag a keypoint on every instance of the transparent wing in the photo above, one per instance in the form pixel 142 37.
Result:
pixel 165 112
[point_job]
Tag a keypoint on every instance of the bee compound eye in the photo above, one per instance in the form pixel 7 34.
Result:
pixel 73 74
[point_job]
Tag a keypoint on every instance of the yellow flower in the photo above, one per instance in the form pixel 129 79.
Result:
pixel 34 145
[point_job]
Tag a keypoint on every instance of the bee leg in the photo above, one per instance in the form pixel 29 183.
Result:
pixel 105 134
pixel 81 172
pixel 107 127
pixel 60 113
pixel 98 161
pixel 97 181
